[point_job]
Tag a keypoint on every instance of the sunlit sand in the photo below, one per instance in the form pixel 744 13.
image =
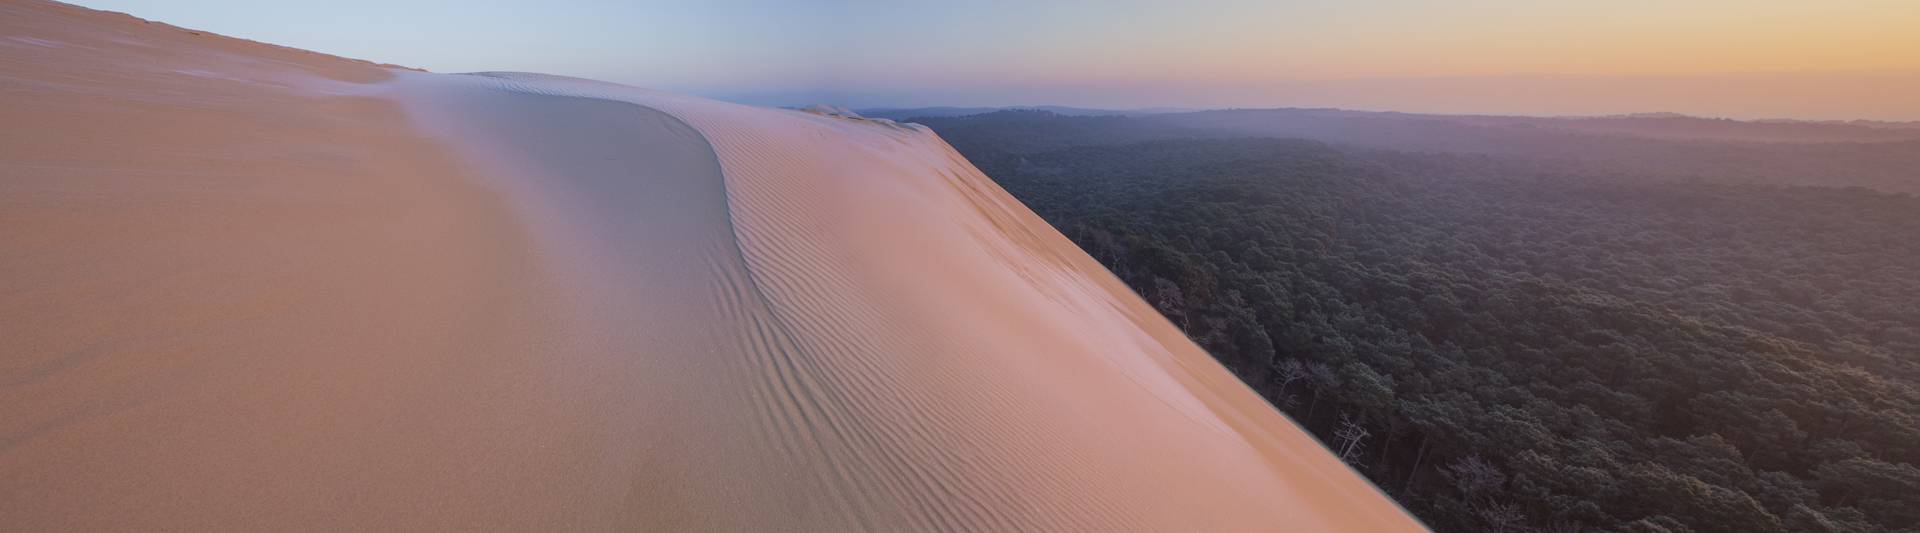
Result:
pixel 251 287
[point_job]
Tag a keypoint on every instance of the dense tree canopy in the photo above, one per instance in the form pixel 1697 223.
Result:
pixel 1505 345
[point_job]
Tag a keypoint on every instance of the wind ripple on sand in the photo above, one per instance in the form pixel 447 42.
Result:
pixel 256 288
pixel 923 353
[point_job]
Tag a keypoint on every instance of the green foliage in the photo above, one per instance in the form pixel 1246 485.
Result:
pixel 1507 348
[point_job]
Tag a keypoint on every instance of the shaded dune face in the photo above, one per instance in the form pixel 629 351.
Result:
pixel 289 291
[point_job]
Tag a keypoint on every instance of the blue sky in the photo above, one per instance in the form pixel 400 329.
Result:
pixel 1740 58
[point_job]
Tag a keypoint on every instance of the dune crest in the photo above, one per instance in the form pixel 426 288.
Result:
pixel 295 291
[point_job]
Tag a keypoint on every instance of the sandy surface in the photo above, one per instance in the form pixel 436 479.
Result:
pixel 255 288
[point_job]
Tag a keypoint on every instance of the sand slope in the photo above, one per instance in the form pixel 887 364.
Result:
pixel 256 288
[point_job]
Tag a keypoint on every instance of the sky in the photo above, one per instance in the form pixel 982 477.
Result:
pixel 1837 59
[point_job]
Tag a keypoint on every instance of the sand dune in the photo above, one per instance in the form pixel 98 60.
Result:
pixel 257 288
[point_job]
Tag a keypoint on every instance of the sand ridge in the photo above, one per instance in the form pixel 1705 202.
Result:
pixel 947 361
pixel 257 288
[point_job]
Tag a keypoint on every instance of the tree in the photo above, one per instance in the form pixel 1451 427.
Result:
pixel 1171 301
pixel 1285 373
pixel 1475 478
pixel 1351 435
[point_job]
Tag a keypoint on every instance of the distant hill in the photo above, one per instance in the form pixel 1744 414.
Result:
pixel 1317 122
pixel 1666 126
pixel 1884 156
pixel 903 113
pixel 1674 126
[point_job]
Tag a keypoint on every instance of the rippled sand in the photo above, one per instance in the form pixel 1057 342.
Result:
pixel 257 288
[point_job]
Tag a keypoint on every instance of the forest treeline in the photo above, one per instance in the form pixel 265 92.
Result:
pixel 1884 157
pixel 1508 343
